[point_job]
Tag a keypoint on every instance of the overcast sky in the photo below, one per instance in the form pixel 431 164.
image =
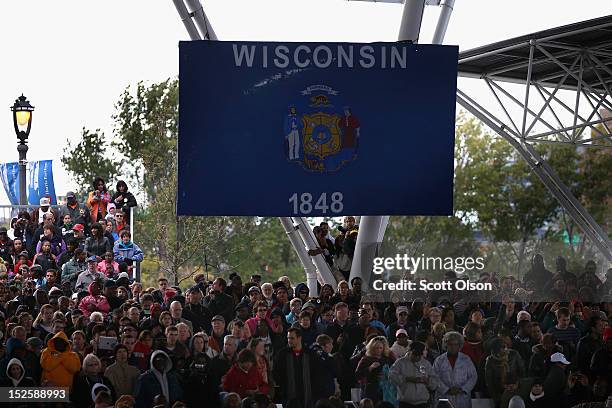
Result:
pixel 72 58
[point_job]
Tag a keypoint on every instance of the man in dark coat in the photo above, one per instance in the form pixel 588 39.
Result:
pixel 294 369
pixel 219 303
pixel 195 312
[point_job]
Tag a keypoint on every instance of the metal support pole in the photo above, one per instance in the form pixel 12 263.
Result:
pixel 22 148
pixel 187 21
pixel 411 20
pixel 443 19
pixel 366 248
pixel 201 21
pixel 300 250
pixel 372 228
pixel 324 272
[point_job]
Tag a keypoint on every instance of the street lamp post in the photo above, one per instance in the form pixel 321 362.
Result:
pixel 22 120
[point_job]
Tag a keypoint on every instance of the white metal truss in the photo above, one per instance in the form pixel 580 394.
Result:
pixel 545 116
pixel 555 105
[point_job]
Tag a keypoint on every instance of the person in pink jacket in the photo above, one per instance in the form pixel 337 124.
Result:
pixel 95 301
pixel 260 310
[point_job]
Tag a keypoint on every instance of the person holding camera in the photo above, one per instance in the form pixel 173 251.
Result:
pixel 98 200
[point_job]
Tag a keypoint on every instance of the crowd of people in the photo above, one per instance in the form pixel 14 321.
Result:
pixel 73 316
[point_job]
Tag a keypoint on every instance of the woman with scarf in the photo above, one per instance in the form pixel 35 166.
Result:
pixel 373 371
pixel 90 375
pixel 502 368
pixel 258 347
pixel 121 375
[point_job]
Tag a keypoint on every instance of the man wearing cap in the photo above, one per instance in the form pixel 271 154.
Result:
pixel 89 275
pixel 195 312
pixel 402 342
pixel 77 211
pixel 44 209
pixel 555 383
pixel 78 234
pixel 402 323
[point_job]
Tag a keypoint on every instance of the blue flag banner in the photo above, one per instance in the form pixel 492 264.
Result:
pixel 40 182
pixel 316 129
pixel 10 180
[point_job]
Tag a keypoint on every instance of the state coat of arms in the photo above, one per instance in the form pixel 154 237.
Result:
pixel 321 135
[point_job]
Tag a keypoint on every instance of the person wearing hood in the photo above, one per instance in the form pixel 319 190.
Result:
pixel 83 392
pixel 126 251
pixel 197 386
pixel 159 380
pixel 123 199
pixel 302 292
pixel 16 349
pixel 58 362
pixel 538 273
pixel 122 376
pixel 15 375
pixel 95 301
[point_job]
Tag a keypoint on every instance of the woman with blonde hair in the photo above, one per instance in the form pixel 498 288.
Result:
pixel 373 370
pixel 90 375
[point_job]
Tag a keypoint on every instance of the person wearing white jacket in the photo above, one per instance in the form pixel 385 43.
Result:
pixel 414 378
pixel 456 372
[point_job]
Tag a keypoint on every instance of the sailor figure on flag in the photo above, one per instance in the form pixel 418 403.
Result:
pixel 292 134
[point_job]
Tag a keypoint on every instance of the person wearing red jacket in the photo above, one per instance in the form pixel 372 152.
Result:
pixel 95 301
pixel 244 378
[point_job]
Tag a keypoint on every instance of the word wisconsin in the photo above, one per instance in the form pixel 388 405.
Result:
pixel 320 56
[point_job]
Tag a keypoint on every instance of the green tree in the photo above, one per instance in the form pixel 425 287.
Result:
pixel 88 159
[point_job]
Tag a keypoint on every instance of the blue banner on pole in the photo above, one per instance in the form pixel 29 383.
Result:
pixel 10 180
pixel 316 129
pixel 40 182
